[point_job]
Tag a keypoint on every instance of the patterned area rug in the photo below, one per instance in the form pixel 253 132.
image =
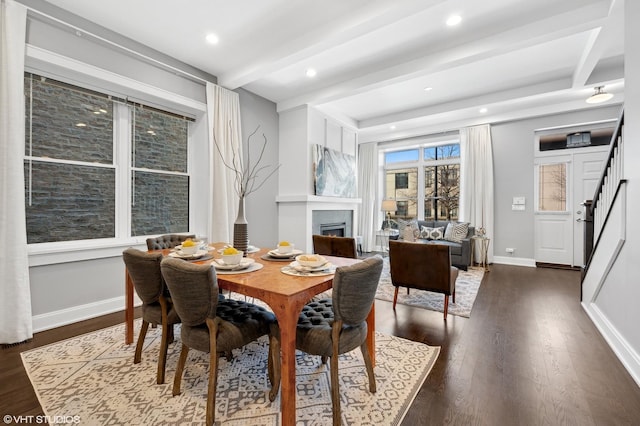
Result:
pixel 467 286
pixel 93 377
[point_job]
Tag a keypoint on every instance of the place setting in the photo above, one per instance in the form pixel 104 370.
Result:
pixel 232 261
pixel 284 252
pixel 191 250
pixel 309 265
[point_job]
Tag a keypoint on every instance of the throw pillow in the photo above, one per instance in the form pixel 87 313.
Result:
pixel 404 225
pixel 456 232
pixel 432 233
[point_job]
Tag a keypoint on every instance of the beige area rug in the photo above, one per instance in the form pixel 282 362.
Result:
pixel 467 286
pixel 93 377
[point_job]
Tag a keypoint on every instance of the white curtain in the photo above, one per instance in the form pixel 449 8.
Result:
pixel 15 303
pixel 367 190
pixel 476 180
pixel 223 113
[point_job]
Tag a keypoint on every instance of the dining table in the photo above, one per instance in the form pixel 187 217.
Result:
pixel 285 293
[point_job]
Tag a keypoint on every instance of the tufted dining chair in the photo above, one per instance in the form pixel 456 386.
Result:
pixel 166 241
pixel 330 327
pixel 144 270
pixel 424 267
pixel 216 326
pixel 335 246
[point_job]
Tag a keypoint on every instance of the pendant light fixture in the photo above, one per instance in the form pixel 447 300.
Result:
pixel 599 96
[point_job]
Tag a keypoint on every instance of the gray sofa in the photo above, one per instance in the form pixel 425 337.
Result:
pixel 460 252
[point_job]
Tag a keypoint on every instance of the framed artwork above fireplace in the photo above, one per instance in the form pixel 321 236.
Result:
pixel 334 172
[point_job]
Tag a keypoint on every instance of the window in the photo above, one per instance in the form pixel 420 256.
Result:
pixel 552 187
pixel 75 188
pixel 439 193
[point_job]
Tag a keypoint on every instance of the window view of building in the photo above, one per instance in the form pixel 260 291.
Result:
pixel 74 187
pixel 428 176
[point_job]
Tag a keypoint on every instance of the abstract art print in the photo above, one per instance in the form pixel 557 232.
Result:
pixel 334 172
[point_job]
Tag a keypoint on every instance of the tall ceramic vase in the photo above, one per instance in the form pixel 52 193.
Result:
pixel 240 232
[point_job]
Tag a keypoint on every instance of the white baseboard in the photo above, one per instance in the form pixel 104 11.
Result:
pixel 515 261
pixel 623 350
pixel 79 313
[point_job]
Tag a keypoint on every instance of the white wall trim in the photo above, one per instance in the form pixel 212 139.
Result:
pixel 515 261
pixel 624 351
pixel 80 313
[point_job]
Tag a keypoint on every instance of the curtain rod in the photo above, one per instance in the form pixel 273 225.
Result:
pixel 80 31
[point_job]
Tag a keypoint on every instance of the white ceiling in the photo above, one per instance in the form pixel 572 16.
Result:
pixel 517 58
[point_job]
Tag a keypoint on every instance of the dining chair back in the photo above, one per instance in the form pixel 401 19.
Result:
pixel 166 241
pixel 424 267
pixel 216 326
pixel 330 327
pixel 144 270
pixel 335 246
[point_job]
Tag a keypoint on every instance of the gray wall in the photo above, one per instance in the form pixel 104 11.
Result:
pixel 513 155
pixel 261 209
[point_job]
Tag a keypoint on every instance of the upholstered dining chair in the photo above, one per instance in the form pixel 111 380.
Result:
pixel 335 246
pixel 216 326
pixel 424 267
pixel 144 270
pixel 330 327
pixel 166 241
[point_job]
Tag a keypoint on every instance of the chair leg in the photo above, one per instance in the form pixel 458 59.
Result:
pixel 323 360
pixel 177 379
pixel 446 306
pixel 274 366
pixel 367 362
pixel 395 298
pixel 211 391
pixel 143 333
pixel 336 328
pixel 454 295
pixel 162 358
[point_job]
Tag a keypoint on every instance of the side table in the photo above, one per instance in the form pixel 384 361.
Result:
pixel 484 249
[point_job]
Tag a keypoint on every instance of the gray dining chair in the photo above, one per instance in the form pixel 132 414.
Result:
pixel 157 308
pixel 330 327
pixel 216 326
pixel 167 241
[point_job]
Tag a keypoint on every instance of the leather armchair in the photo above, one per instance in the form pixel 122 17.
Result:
pixel 424 267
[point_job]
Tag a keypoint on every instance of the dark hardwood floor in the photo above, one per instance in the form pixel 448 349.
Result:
pixel 528 355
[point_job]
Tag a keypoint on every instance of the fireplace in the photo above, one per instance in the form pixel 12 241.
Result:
pixel 338 223
pixel 333 229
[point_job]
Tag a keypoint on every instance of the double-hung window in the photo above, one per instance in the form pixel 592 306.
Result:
pixel 97 167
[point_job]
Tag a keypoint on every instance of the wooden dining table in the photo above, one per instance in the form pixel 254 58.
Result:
pixel 286 295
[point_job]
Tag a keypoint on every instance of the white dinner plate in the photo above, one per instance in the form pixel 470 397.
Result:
pixel 277 254
pixel 298 267
pixel 244 263
pixel 182 255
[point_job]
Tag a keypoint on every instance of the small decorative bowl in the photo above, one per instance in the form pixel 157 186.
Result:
pixel 190 249
pixel 285 249
pixel 311 260
pixel 232 259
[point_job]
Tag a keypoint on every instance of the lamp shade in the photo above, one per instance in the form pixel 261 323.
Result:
pixel 389 205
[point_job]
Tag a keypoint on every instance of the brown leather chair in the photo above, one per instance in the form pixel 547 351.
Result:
pixel 335 246
pixel 166 241
pixel 424 267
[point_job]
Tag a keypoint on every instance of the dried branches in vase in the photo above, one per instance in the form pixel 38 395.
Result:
pixel 249 177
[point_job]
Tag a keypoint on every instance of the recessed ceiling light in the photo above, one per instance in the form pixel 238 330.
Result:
pixel 81 125
pixel 428 89
pixel 483 110
pixel 212 38
pixel 392 127
pixel 454 20
pixel 311 72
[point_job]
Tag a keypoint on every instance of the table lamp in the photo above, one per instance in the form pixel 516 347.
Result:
pixel 389 206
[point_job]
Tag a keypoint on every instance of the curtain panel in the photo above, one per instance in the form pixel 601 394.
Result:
pixel 367 190
pixel 15 311
pixel 476 181
pixel 223 114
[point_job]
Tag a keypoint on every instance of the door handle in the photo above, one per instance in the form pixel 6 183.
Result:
pixel 579 219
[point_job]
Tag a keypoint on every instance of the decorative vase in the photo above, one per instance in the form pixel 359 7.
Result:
pixel 240 231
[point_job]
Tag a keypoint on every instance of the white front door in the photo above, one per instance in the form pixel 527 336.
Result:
pixel 562 183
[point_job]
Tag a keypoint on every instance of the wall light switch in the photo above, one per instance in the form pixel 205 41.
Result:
pixel 518 207
pixel 519 201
